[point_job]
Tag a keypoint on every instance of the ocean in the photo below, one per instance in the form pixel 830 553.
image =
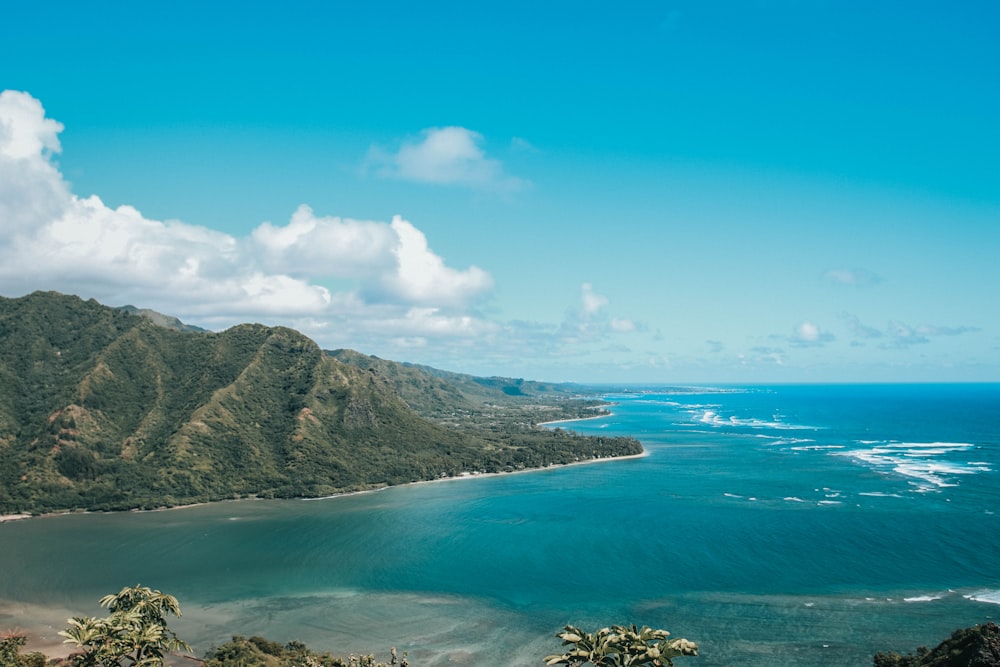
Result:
pixel 806 525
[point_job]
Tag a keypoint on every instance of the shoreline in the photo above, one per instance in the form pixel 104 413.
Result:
pixel 578 419
pixel 41 633
pixel 5 518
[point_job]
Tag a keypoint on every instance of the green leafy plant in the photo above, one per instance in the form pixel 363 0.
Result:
pixel 135 634
pixel 260 652
pixel 620 646
pixel 11 643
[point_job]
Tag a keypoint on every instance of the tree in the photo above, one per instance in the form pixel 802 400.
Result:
pixel 11 643
pixel 620 646
pixel 135 634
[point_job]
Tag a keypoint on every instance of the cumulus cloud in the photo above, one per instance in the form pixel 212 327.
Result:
pixel 31 190
pixel 444 156
pixel 326 246
pixel 25 132
pixel 852 277
pixel 592 301
pixel 808 334
pixel 373 285
pixel 52 239
pixel 391 262
pixel 420 276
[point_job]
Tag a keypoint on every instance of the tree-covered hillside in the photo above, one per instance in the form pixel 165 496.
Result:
pixel 463 401
pixel 101 408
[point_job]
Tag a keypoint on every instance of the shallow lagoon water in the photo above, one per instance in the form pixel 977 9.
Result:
pixel 809 525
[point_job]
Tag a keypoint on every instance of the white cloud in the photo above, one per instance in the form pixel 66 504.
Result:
pixel 25 132
pixel 590 323
pixel 421 277
pixel 444 156
pixel 390 262
pixel 53 239
pixel 808 334
pixel 808 331
pixel 592 301
pixel 31 190
pixel 326 246
pixel 622 325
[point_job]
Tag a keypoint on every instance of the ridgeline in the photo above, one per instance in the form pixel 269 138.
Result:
pixel 118 408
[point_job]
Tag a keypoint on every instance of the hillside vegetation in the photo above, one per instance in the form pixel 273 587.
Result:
pixel 466 401
pixel 102 408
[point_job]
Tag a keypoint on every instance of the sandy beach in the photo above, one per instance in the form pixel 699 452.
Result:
pixel 578 419
pixel 40 624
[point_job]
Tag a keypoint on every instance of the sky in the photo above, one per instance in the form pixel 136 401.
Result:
pixel 631 192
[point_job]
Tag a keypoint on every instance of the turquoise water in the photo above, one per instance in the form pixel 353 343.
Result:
pixel 792 525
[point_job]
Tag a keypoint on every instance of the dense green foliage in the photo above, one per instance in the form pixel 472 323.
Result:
pixel 104 409
pixel 135 633
pixel 978 646
pixel 460 400
pixel 260 652
pixel 11 644
pixel 620 646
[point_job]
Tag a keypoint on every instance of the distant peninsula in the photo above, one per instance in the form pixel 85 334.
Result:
pixel 107 408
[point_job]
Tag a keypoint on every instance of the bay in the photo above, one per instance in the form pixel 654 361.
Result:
pixel 787 525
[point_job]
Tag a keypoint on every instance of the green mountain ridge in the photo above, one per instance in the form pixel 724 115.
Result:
pixel 168 321
pixel 102 408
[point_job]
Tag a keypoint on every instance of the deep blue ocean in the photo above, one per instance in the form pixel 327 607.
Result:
pixel 785 525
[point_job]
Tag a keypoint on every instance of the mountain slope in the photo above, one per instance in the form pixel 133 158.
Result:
pixel 466 401
pixel 104 409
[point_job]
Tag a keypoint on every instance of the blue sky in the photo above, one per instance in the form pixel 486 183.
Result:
pixel 759 191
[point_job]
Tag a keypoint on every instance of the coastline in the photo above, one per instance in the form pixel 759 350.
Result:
pixel 578 419
pixel 4 518
pixel 39 622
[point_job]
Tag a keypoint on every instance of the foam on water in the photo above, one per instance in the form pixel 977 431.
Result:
pixel 989 596
pixel 713 418
pixel 932 464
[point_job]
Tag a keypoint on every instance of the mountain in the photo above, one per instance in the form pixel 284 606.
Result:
pixel 102 408
pixel 461 400
pixel 167 321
